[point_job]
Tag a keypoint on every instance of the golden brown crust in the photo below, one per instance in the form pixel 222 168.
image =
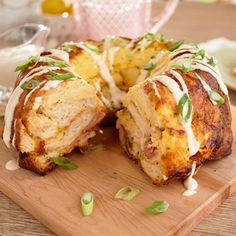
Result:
pixel 211 125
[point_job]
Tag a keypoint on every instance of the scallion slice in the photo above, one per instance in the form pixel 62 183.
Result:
pixel 92 47
pixel 215 97
pixel 96 148
pixel 32 61
pixel 87 203
pixel 157 207
pixel 29 85
pixel 154 37
pixel 149 66
pixel 176 45
pixel 56 76
pixel 200 53
pixel 211 61
pixel 186 66
pixel 127 193
pixel 64 162
pixel 58 63
pixel 185 101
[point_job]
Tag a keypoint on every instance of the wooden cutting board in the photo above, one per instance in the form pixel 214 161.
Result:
pixel 55 199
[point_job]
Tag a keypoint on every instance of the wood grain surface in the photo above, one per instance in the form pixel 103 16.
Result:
pixel 196 22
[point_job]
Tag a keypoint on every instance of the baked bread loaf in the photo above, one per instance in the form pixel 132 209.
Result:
pixel 177 118
pixel 50 112
pixel 170 116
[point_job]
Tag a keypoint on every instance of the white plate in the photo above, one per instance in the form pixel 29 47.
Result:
pixel 224 51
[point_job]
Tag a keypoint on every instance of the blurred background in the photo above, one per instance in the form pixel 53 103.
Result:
pixel 73 20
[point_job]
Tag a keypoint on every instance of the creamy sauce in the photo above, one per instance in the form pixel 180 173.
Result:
pixel 111 55
pixel 155 88
pixel 190 183
pixel 206 87
pixel 12 165
pixel 207 68
pixel 173 86
pixel 51 84
pixel 104 100
pixel 14 100
pixel 100 59
pixel 63 55
pixel 200 64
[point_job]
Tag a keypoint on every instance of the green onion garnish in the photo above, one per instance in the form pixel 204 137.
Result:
pixel 154 37
pixel 92 47
pixel 87 203
pixel 149 66
pixel 176 45
pixel 96 148
pixel 29 85
pixel 32 61
pixel 64 162
pixel 211 61
pixel 67 47
pixel 184 65
pixel 127 193
pixel 200 53
pixel 61 64
pixel 215 97
pixel 56 76
pixel 182 103
pixel 157 207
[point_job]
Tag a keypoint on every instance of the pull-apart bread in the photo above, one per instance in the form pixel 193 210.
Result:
pixel 172 106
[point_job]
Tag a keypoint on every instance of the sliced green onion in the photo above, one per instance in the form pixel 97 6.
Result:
pixel 182 103
pixel 157 207
pixel 92 47
pixel 176 45
pixel 200 53
pixel 127 193
pixel 154 37
pixel 29 85
pixel 211 62
pixel 96 148
pixel 215 97
pixel 58 63
pixel 87 203
pixel 64 162
pixel 67 47
pixel 56 76
pixel 32 61
pixel 184 65
pixel 149 66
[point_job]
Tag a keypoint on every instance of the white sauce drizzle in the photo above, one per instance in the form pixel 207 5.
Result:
pixel 12 165
pixel 207 68
pixel 98 89
pixel 177 93
pixel 14 100
pixel 200 64
pixel 100 59
pixel 206 87
pixel 63 55
pixel 51 84
pixel 112 52
pixel 190 183
pixel 154 87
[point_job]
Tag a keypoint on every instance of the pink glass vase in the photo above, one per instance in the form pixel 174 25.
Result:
pixel 128 18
